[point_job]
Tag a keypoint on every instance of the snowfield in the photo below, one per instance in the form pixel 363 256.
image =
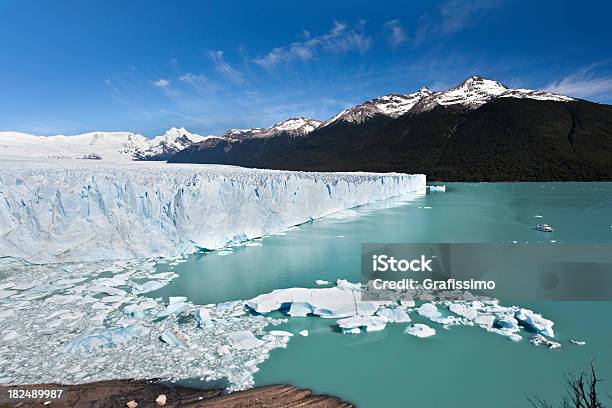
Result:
pixel 59 211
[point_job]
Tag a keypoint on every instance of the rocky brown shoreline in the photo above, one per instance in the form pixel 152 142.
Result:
pixel 117 393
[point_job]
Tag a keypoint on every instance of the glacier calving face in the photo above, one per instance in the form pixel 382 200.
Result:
pixel 77 211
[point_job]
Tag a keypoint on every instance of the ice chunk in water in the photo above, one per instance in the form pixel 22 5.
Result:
pixel 149 286
pixel 281 333
pixel 420 330
pixel 170 338
pixel 245 340
pixel 202 316
pixel 369 323
pixel 101 338
pixel 393 315
pixel 535 322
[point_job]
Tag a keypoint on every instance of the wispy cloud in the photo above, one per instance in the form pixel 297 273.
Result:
pixel 199 81
pixel 339 39
pixel 161 83
pixel 395 32
pixel 452 17
pixel 225 68
pixel 585 82
pixel 459 14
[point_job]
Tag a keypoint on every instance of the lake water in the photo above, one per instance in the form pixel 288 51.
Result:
pixel 463 366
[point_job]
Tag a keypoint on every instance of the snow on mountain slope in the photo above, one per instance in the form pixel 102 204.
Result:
pixel 111 146
pixel 173 140
pixel 55 211
pixel 476 91
pixel 116 146
pixel 392 105
pixel 297 126
pixel 470 94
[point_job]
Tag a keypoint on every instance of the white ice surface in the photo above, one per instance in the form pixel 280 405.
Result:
pixel 76 211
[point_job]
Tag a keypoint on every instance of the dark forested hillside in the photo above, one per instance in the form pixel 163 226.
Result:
pixel 507 139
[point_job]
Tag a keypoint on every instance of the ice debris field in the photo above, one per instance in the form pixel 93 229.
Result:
pixel 94 321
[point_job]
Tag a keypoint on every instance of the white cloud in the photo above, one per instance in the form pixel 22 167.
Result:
pixel 458 14
pixel 198 81
pixel 453 16
pixel 339 39
pixel 395 32
pixel 161 83
pixel 224 68
pixel 582 83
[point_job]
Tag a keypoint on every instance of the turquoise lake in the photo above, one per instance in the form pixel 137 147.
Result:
pixel 460 367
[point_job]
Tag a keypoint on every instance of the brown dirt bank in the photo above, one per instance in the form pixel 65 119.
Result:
pixel 116 394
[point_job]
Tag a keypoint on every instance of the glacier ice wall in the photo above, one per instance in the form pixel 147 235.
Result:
pixel 65 211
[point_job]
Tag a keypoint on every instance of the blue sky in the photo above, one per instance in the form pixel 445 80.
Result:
pixel 145 65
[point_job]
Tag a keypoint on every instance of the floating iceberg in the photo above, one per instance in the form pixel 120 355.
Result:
pixel 420 330
pixel 539 340
pixel 245 340
pixel 535 322
pixel 439 189
pixel 333 302
pixel 368 323
pixel 303 333
pixel 281 333
pixel 393 315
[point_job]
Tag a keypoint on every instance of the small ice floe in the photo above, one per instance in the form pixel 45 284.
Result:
pixel 420 330
pixel 393 315
pixel 544 228
pixel 538 216
pixel 438 189
pixel 102 338
pixel 321 282
pixel 539 340
pixel 245 340
pixel 6 293
pixel 10 336
pixel 427 207
pixel 173 307
pixel 368 323
pixel 578 342
pixel 171 339
pixel 281 333
pixel 303 333
pixel 137 309
pixel 535 322
pixel 224 252
pixel 464 310
pixel 340 236
pixel 149 286
pixel 202 316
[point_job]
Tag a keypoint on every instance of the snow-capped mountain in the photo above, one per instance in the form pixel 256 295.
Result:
pixel 470 94
pixel 476 91
pixel 297 126
pixel 112 146
pixel 392 105
pixel 173 140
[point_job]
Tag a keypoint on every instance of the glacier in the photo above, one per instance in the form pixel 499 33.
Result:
pixel 62 211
